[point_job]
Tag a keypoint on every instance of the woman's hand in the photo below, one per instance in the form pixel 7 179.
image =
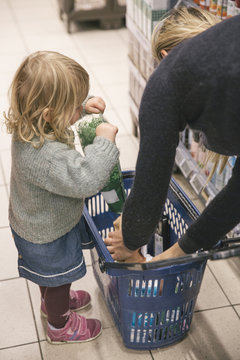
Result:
pixel 173 252
pixel 95 105
pixel 116 247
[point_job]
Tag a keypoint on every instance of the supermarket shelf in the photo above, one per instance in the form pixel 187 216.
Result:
pixel 136 73
pixel 139 35
pixel 138 79
pixel 189 168
pixel 196 178
pixel 133 106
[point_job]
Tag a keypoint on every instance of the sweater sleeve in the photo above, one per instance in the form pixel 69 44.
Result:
pixel 72 175
pixel 219 217
pixel 159 122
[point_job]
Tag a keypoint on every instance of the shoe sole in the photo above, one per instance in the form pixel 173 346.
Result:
pixel 72 341
pixel 44 315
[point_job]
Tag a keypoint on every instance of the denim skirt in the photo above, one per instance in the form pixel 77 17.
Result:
pixel 56 263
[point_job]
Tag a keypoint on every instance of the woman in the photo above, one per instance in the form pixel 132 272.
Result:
pixel 196 85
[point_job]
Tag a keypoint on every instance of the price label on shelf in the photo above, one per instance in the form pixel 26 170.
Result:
pixel 197 183
pixel 179 158
pixel 186 167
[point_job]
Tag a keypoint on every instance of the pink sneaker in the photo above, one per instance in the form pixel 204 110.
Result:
pixel 78 300
pixel 77 329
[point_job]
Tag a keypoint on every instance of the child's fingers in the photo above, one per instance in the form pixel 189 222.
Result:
pixel 97 103
pixel 94 110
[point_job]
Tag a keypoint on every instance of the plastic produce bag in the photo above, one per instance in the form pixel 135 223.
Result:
pixel 113 192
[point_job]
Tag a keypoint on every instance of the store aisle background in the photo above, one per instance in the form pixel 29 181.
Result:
pixel 30 25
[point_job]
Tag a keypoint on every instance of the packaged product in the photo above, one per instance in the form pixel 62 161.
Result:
pixel 113 192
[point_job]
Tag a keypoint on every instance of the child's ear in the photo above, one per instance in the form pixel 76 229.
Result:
pixel 46 114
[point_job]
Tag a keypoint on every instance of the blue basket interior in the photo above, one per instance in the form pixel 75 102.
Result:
pixel 151 308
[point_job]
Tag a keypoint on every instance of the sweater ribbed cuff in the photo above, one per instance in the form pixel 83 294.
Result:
pixel 107 146
pixel 84 113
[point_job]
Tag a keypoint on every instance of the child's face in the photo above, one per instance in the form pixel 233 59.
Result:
pixel 77 115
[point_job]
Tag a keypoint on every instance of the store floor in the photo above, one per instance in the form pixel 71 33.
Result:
pixel 30 25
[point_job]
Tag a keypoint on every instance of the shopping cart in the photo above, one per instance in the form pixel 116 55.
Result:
pixel 152 304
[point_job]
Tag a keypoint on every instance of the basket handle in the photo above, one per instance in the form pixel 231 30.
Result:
pixel 226 253
pixel 181 260
pixel 229 241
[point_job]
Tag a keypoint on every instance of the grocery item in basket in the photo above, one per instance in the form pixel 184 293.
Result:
pixel 113 192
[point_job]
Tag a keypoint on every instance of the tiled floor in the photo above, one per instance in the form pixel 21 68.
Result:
pixel 29 25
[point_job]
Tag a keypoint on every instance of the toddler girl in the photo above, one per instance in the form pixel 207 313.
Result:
pixel 49 181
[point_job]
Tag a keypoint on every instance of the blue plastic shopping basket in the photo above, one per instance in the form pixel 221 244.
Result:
pixel 153 303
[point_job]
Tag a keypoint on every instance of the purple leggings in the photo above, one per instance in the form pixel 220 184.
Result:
pixel 57 304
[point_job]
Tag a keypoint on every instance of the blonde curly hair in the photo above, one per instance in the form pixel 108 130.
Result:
pixel 45 80
pixel 181 24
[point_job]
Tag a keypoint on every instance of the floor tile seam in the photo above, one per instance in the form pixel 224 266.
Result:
pixel 151 354
pixel 9 279
pixel 18 345
pixel 106 327
pixel 4 227
pixel 219 284
pixel 214 308
pixel 238 314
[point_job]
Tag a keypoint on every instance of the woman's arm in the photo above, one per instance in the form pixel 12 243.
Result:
pixel 160 123
pixel 219 217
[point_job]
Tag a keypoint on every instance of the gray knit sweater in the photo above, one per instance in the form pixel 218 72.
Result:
pixel 49 184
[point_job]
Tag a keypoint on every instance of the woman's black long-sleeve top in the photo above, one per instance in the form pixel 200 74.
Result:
pixel 197 84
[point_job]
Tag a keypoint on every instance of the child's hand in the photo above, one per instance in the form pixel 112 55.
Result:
pixel 107 131
pixel 95 105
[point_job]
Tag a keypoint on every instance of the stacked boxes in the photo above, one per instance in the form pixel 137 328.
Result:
pixel 142 16
pixel 146 13
pixel 221 8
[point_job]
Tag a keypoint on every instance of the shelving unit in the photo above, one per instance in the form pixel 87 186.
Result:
pixel 196 178
pixel 141 17
pixel 109 13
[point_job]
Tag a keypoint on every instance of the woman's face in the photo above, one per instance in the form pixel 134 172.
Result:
pixel 76 115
